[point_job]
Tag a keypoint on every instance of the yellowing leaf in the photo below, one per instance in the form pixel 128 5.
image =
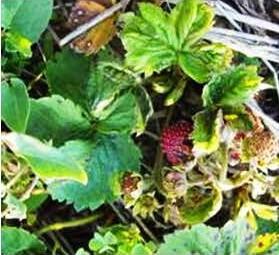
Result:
pixel 267 212
pixel 232 87
pixel 155 39
pixel 263 243
pixel 200 204
pixel 206 134
pixel 46 161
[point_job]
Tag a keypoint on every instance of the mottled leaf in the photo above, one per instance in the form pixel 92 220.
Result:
pixel 200 239
pixel 206 134
pixel 200 204
pixel 232 87
pixel 154 38
pixel 205 60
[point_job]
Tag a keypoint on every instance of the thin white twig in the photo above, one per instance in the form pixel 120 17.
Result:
pixel 234 15
pixel 268 53
pixel 244 36
pixel 274 73
pixel 252 21
pixel 219 8
pixel 28 192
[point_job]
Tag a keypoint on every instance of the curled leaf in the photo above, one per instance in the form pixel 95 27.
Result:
pixel 200 204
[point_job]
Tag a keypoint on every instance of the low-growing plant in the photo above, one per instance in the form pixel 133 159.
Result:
pixel 83 131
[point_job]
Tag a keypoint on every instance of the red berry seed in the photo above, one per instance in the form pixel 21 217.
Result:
pixel 175 142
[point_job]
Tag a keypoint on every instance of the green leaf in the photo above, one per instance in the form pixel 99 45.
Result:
pixel 8 11
pixel 238 118
pixel 205 60
pixel 206 134
pixel 232 87
pixel 68 74
pixel 153 38
pixel 112 155
pixel 202 24
pixel 119 116
pixel 16 209
pixel 200 204
pixel 57 119
pixel 113 107
pixel 15 105
pixel 24 25
pixel 81 251
pixel 107 80
pixel 46 161
pixel 176 93
pixel 236 236
pixel 144 108
pixel 15 241
pixel 35 201
pixel 267 226
pixel 15 42
pixel 182 18
pixel 146 50
pixel 141 249
pixel 233 238
pixel 22 19
pixel 200 239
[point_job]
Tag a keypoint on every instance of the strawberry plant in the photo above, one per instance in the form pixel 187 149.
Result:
pixel 144 136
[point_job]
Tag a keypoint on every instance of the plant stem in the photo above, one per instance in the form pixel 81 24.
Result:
pixel 118 213
pixel 29 190
pixel 15 178
pixel 140 223
pixel 69 224
pixel 157 173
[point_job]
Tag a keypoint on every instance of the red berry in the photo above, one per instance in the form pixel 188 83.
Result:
pixel 175 142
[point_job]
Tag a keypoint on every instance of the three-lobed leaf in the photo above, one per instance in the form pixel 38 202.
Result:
pixel 155 40
pixel 15 105
pixel 103 89
pixel 46 161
